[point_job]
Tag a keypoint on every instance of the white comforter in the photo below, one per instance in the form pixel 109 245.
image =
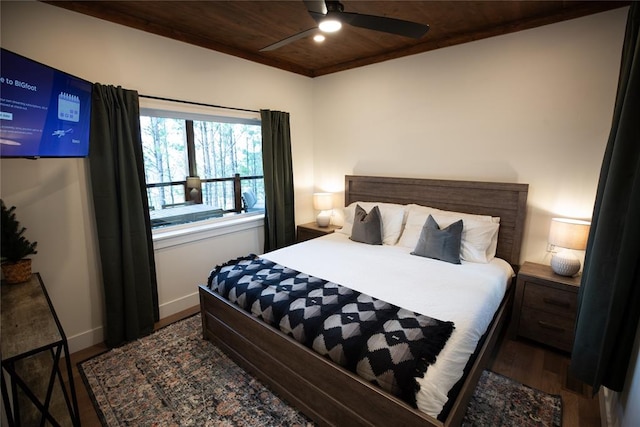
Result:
pixel 468 294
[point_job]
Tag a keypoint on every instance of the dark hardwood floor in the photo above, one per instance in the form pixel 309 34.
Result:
pixel 524 361
pixel 547 370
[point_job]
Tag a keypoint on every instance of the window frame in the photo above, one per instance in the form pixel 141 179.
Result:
pixel 190 113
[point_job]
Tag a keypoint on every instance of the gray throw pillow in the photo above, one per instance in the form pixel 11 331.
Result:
pixel 443 245
pixel 367 227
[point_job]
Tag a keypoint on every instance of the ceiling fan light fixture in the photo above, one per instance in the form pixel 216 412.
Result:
pixel 319 38
pixel 329 16
pixel 330 25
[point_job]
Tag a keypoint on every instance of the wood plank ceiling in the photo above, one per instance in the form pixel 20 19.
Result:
pixel 242 28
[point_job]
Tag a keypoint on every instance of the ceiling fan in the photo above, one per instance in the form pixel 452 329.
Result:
pixel 330 16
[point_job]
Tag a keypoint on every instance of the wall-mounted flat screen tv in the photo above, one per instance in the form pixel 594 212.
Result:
pixel 44 112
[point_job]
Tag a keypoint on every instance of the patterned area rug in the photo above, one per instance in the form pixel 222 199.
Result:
pixel 501 401
pixel 174 377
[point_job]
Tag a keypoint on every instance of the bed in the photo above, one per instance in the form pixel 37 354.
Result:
pixel 330 394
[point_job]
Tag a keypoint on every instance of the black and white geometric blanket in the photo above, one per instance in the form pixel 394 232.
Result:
pixel 385 344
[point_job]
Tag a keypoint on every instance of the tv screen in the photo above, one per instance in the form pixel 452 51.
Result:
pixel 44 112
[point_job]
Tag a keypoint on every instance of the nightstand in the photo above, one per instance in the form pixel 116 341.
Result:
pixel 545 306
pixel 311 230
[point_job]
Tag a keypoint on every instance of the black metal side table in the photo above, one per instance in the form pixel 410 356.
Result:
pixel 33 342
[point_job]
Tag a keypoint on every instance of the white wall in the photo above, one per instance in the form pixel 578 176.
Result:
pixel 52 196
pixel 530 107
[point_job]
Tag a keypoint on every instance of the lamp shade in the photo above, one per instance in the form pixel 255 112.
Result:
pixel 569 233
pixel 193 182
pixel 322 201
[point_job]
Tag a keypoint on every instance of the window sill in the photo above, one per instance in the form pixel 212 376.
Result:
pixel 186 233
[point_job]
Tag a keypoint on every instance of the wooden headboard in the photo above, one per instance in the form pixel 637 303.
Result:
pixel 506 200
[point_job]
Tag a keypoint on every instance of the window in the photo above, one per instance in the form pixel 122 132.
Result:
pixel 199 167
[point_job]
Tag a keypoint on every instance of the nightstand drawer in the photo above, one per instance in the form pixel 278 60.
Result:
pixel 555 301
pixel 554 330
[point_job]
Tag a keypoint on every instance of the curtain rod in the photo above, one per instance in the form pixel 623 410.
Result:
pixel 198 103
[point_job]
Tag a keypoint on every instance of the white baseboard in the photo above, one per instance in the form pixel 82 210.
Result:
pixel 179 304
pixel 85 339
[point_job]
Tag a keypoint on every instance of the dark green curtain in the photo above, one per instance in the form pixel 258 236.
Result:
pixel 279 221
pixel 122 215
pixel 609 297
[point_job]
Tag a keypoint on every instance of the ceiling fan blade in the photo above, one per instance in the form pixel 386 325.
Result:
pixel 316 6
pixel 290 39
pixel 385 24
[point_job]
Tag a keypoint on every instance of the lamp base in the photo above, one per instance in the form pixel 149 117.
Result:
pixel 323 219
pixel 565 263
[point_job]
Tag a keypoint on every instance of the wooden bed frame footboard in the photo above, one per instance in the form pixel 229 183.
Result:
pixel 322 390
pixel 326 392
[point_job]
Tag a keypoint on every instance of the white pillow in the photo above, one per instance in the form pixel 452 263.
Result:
pixel 479 240
pixel 460 215
pixel 479 232
pixel 416 217
pixel 392 218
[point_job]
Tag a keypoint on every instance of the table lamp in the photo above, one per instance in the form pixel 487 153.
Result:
pixel 567 234
pixel 323 202
pixel 194 189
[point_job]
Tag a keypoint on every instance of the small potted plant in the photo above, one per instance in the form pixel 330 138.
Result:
pixel 14 248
